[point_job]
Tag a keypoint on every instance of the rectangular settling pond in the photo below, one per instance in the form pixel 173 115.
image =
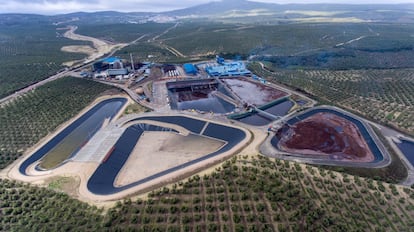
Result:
pixel 198 95
pixel 407 148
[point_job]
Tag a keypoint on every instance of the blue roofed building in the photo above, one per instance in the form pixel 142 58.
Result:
pixel 190 69
pixel 235 68
pixel 220 60
pixel 111 60
pixel 110 67
pixel 108 63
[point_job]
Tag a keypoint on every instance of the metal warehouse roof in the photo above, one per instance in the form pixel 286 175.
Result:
pixel 111 60
pixel 190 68
pixel 228 69
pixel 115 72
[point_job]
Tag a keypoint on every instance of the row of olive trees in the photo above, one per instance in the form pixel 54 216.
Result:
pixel 27 119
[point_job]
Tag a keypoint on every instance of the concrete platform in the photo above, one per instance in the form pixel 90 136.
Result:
pixel 99 145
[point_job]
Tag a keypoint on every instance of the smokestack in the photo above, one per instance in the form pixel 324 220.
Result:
pixel 132 62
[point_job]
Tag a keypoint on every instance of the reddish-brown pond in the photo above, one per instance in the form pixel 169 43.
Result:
pixel 326 134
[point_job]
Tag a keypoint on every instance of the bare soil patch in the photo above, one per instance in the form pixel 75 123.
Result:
pixel 66 184
pixel 328 135
pixel 158 151
pixel 253 92
pixel 88 50
pixel 99 49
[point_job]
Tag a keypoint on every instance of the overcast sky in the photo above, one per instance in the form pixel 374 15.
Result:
pixel 51 7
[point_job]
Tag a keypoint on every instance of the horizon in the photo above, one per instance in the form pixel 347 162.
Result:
pixel 57 7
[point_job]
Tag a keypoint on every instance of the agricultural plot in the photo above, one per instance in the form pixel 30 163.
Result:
pixel 146 51
pixel 28 119
pixel 28 208
pixel 30 52
pixel 244 194
pixel 259 194
pixel 326 46
pixel 339 45
pixel 122 33
pixel 240 39
pixel 386 96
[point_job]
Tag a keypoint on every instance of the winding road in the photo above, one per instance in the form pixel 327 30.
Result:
pixel 101 47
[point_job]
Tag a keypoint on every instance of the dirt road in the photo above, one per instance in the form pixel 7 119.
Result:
pixel 100 47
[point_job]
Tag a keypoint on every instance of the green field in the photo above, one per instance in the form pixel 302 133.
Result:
pixel 244 194
pixel 28 119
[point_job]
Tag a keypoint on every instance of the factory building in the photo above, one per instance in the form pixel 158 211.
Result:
pixel 190 69
pixel 116 72
pixel 234 68
pixel 107 63
pixel 109 67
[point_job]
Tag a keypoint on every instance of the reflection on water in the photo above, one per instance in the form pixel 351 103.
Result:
pixel 79 136
pixel 256 119
pixel 301 102
pixel 407 148
pixel 201 100
pixel 211 104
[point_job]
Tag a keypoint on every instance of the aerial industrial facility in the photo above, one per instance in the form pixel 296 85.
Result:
pixel 223 68
pixel 113 67
pixel 109 67
pixel 190 69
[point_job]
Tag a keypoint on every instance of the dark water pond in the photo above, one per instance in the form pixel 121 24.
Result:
pixel 256 119
pixel 407 148
pixel 73 137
